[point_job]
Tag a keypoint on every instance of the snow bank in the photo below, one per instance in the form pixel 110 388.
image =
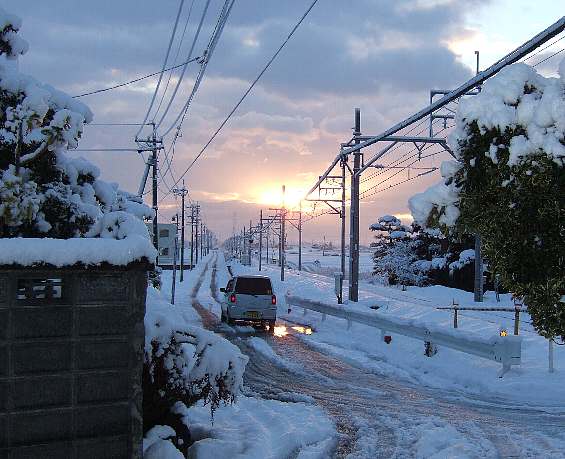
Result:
pixel 262 429
pixel 529 384
pixel 68 252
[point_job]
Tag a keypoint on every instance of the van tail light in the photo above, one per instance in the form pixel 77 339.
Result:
pixel 274 299
pixel 232 298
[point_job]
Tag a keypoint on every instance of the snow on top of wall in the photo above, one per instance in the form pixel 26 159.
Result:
pixel 69 252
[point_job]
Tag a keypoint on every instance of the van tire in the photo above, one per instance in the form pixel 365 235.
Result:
pixel 271 327
pixel 222 317
pixel 230 320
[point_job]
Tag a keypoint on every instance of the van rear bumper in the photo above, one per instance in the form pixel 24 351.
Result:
pixel 252 315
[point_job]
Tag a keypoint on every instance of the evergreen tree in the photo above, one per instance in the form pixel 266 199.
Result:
pixel 43 192
pixel 509 187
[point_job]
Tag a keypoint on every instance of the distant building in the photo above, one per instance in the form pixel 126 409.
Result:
pixel 166 237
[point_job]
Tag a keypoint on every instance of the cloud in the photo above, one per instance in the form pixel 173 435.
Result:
pixel 379 55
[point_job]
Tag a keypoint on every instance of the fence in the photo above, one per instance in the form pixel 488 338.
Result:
pixel 506 350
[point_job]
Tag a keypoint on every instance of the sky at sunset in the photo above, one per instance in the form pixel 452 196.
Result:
pixel 382 56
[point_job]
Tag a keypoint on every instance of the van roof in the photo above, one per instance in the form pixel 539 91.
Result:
pixel 251 276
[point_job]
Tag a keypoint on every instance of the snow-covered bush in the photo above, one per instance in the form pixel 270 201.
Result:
pixel 411 255
pixel 184 364
pixel 43 192
pixel 508 186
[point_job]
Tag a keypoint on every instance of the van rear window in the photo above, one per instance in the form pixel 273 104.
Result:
pixel 253 286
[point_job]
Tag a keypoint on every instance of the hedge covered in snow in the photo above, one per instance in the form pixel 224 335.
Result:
pixel 508 186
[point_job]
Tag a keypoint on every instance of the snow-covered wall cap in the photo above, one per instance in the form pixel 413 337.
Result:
pixel 76 251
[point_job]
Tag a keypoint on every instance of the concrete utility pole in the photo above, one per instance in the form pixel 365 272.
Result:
pixel 192 236
pixel 154 185
pixel 182 192
pixel 196 225
pixel 300 237
pixel 260 237
pixel 478 290
pixel 249 243
pixel 173 286
pixel 283 216
pixel 267 251
pixel 342 215
pixel 354 220
pixel 202 238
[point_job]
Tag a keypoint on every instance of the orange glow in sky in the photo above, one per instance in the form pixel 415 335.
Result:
pixel 273 197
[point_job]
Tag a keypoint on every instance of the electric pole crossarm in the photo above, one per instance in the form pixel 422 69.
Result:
pixel 324 175
pixel 376 158
pixel 511 58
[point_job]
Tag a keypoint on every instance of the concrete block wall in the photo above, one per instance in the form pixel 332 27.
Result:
pixel 71 356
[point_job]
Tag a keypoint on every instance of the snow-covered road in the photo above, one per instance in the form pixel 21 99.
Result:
pixel 378 416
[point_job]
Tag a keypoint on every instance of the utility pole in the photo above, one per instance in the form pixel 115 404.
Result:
pixel 260 237
pixel 196 225
pixel 192 236
pixel 173 286
pixel 201 238
pixel 478 290
pixel 249 243
pixel 154 184
pixel 283 216
pixel 342 215
pixel 300 237
pixel 182 192
pixel 267 238
pixel 354 220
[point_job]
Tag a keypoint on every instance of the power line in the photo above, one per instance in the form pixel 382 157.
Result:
pixel 246 92
pixel 179 81
pixel 207 55
pixel 164 65
pixel 128 83
pixel 222 19
pixel 176 55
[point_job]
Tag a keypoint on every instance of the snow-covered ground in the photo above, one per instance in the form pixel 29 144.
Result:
pixel 450 370
pixel 252 427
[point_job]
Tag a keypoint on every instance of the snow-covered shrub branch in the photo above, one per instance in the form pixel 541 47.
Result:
pixel 184 363
pixel 508 186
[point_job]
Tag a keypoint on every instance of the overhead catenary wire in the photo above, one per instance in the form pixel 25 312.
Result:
pixel 173 33
pixel 246 93
pixel 549 57
pixel 544 48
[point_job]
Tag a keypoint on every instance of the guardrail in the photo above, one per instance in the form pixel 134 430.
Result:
pixel 506 350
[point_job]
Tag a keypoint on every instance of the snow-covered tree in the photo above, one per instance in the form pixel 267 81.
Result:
pixel 412 255
pixel 43 192
pixel 508 186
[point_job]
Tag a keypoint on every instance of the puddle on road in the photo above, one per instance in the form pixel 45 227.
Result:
pixel 283 330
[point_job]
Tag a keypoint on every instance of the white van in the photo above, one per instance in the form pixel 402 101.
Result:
pixel 249 299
